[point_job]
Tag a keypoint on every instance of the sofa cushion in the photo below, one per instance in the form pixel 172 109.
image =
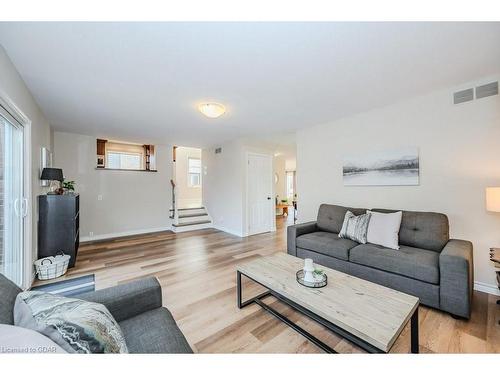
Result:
pixel 425 230
pixel 154 331
pixel 408 261
pixel 326 243
pixel 331 217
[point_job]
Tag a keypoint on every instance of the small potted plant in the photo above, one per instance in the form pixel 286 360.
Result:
pixel 318 273
pixel 68 186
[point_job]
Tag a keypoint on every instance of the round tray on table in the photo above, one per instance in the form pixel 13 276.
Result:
pixel 320 283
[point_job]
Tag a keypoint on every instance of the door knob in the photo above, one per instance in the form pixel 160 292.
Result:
pixel 268 198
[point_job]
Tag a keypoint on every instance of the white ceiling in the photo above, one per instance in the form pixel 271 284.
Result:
pixel 142 81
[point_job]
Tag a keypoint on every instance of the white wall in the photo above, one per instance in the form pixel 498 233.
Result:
pixel 132 201
pixel 12 87
pixel 187 196
pixel 459 157
pixel 224 184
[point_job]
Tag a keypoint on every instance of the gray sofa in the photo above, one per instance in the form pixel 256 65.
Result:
pixel 137 307
pixel 429 264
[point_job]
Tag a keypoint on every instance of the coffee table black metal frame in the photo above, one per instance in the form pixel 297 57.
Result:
pixel 325 323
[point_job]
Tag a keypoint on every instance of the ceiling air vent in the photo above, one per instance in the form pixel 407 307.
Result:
pixel 218 150
pixel 489 89
pixel 463 96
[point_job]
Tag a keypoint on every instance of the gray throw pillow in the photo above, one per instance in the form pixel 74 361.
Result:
pixel 355 227
pixel 76 325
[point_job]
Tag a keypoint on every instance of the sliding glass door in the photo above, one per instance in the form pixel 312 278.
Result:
pixel 13 206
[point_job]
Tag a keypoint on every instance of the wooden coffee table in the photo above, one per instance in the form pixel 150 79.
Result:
pixel 367 314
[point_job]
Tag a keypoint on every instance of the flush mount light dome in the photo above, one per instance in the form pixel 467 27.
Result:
pixel 212 110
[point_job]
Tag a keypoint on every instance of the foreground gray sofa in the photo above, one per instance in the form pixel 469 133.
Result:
pixel 429 264
pixel 137 307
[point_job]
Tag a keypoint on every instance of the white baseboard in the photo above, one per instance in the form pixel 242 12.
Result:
pixel 123 234
pixel 230 231
pixel 486 288
pixel 190 228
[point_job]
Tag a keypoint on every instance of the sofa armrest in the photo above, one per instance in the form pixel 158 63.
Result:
pixel 128 300
pixel 294 231
pixel 456 268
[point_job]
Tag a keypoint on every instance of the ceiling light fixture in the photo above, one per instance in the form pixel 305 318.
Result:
pixel 212 110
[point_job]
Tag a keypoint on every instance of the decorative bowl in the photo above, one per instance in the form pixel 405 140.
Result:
pixel 321 280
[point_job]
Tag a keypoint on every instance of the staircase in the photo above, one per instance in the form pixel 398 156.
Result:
pixel 186 219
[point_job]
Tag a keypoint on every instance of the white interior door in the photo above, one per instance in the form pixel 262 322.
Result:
pixel 13 205
pixel 260 202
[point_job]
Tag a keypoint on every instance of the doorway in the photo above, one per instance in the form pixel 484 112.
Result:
pixel 260 204
pixel 188 177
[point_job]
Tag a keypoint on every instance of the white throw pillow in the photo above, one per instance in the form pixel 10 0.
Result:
pixel 383 229
pixel 15 339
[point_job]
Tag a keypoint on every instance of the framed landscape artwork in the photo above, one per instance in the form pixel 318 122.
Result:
pixel 384 168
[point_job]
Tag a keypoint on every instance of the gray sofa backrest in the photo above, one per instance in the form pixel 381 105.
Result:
pixel 8 294
pixel 426 230
pixel 331 217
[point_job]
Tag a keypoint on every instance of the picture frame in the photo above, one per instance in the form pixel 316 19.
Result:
pixel 45 162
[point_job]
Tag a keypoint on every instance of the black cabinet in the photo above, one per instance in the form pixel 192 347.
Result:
pixel 58 225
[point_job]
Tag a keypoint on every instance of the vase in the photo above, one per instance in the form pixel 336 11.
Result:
pixel 308 270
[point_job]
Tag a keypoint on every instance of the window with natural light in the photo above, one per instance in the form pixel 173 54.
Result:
pixel 194 172
pixel 125 156
pixel 124 160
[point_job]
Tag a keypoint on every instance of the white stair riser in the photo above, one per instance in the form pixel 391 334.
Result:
pixel 183 220
pixel 191 212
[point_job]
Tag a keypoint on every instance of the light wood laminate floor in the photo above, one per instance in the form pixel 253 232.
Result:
pixel 197 271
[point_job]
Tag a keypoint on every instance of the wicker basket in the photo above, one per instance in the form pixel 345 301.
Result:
pixel 52 267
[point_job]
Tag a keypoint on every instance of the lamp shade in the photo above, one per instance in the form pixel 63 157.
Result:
pixel 493 199
pixel 52 174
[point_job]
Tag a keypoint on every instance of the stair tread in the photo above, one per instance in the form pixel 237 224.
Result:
pixel 192 223
pixel 192 215
pixel 187 209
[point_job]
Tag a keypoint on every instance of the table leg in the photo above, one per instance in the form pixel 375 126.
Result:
pixel 238 288
pixel 414 332
pixel 498 303
pixel 241 304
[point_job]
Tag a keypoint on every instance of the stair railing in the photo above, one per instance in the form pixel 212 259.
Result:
pixel 174 204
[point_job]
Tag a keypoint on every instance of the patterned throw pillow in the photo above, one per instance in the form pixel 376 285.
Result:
pixel 355 227
pixel 76 325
